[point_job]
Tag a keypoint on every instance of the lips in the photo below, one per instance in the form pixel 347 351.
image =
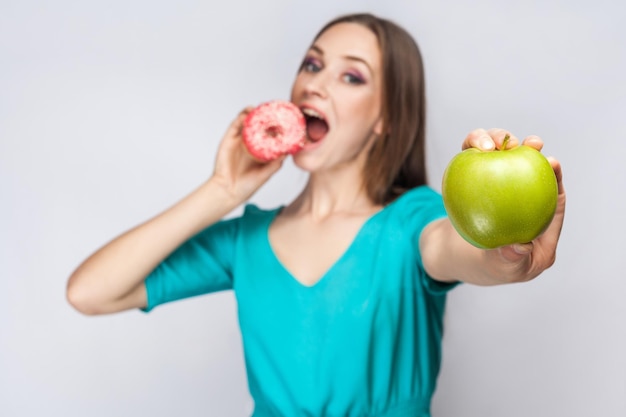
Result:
pixel 316 125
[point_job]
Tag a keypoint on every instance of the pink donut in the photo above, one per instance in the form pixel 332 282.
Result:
pixel 273 129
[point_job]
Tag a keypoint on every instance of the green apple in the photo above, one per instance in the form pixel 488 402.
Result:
pixel 500 197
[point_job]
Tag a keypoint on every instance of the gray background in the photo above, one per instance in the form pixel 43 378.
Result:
pixel 111 111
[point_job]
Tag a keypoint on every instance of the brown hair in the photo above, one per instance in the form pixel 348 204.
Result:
pixel 396 162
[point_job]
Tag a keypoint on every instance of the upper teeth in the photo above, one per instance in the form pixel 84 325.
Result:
pixel 311 112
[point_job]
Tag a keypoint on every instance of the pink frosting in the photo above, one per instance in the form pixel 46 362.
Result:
pixel 273 129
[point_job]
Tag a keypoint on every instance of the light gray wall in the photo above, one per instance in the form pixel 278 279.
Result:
pixel 111 111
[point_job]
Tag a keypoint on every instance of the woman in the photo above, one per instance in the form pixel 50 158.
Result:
pixel 340 293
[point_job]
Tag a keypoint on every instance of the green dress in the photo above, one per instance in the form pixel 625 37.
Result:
pixel 365 340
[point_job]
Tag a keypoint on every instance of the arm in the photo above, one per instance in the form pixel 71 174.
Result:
pixel 112 279
pixel 448 257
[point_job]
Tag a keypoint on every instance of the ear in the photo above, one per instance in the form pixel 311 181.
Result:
pixel 378 127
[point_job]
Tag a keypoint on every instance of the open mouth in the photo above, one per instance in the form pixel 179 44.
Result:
pixel 316 126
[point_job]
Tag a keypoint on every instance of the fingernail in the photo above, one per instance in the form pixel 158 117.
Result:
pixel 486 143
pixel 522 249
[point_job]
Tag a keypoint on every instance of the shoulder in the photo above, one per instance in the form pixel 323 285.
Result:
pixel 254 216
pixel 411 212
pixel 252 211
pixel 423 193
pixel 230 227
pixel 229 230
pixel 422 200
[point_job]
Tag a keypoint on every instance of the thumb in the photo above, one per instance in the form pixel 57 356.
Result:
pixel 516 252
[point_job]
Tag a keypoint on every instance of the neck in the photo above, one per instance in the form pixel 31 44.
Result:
pixel 332 193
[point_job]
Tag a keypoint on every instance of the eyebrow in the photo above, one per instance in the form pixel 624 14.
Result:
pixel 348 57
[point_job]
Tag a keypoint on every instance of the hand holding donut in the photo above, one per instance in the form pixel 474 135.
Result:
pixel 236 170
pixel 255 145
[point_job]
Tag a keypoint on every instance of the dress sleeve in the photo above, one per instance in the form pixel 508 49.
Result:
pixel 199 266
pixel 419 207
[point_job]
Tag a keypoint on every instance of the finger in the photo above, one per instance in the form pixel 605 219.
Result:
pixel 533 141
pixel 517 252
pixel 558 172
pixel 498 136
pixel 548 240
pixel 237 124
pixel 270 168
pixel 480 139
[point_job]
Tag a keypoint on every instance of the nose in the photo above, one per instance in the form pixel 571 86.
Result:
pixel 317 85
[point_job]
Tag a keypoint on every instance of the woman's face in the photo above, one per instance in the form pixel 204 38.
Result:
pixel 339 89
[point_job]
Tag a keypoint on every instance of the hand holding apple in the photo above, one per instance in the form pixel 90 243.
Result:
pixel 498 192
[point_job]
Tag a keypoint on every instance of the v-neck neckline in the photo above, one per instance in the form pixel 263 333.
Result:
pixel 324 277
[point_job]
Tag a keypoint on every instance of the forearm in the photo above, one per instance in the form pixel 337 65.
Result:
pixel 448 257
pixel 112 278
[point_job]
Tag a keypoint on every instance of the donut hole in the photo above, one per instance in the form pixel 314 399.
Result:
pixel 273 131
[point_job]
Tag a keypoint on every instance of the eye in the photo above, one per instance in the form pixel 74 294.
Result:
pixel 352 78
pixel 311 65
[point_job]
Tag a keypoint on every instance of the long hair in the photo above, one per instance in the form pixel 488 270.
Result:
pixel 396 161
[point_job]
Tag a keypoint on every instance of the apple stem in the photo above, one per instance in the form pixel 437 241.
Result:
pixel 505 141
